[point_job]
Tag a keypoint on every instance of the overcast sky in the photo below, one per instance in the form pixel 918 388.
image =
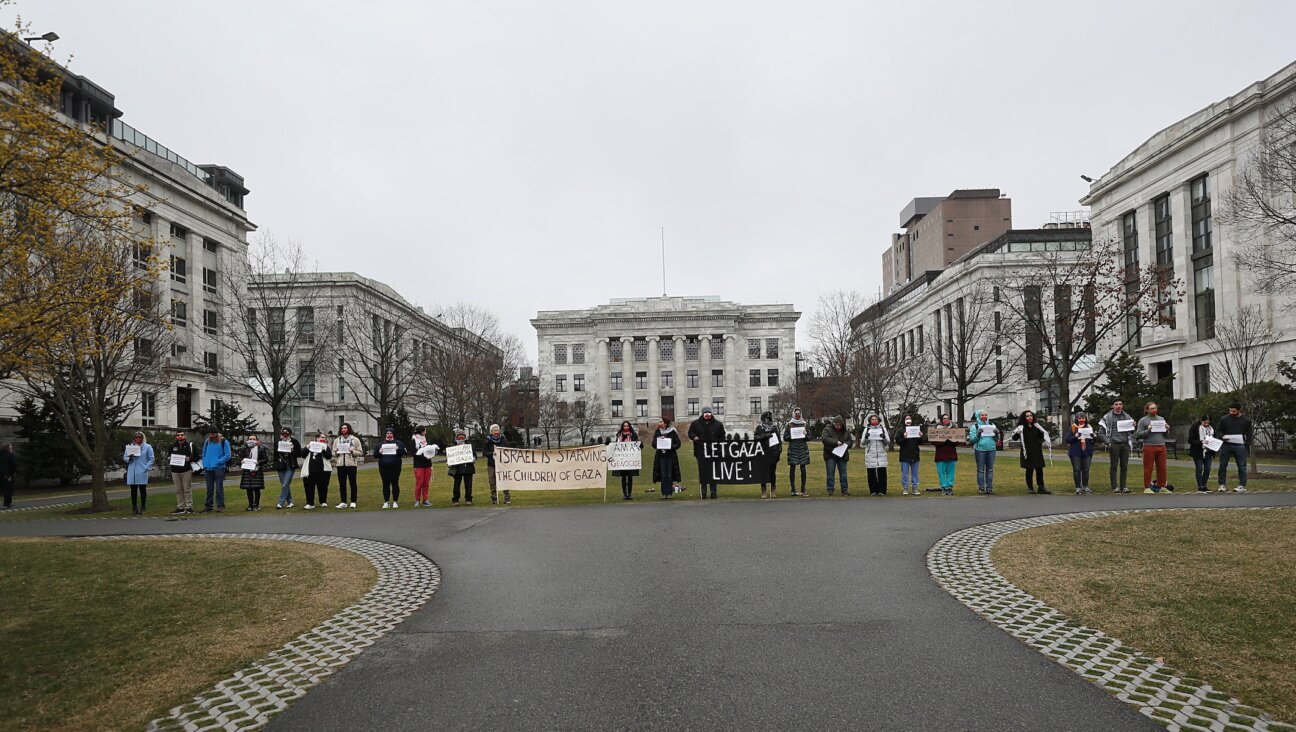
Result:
pixel 524 155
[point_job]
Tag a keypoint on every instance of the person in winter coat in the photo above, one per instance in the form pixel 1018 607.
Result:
pixel 183 454
pixel 494 439
pixel 798 450
pixel 1116 428
pixel 317 471
pixel 253 479
pixel 1235 430
pixel 138 457
pixel 909 456
pixel 1081 438
pixel 1202 457
pixel 833 437
pixel 388 454
pixel 348 454
pixel 1152 430
pixel 626 433
pixel 462 474
pixel 8 471
pixel 666 469
pixel 946 460
pixel 766 429
pixel 423 454
pixel 287 453
pixel 875 439
pixel 1033 437
pixel 981 434
pixel 707 429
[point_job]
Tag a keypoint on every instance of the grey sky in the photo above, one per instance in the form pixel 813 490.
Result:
pixel 523 155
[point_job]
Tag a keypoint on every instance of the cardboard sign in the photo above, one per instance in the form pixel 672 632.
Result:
pixel 943 434
pixel 797 433
pixel 625 456
pixel 735 463
pixel 570 468
pixel 462 454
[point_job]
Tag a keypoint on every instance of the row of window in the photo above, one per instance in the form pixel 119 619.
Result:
pixel 906 345
pixel 769 347
pixel 692 379
pixel 693 406
pixel 180 274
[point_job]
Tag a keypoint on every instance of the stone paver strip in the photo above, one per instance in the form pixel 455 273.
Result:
pixel 961 564
pixel 248 699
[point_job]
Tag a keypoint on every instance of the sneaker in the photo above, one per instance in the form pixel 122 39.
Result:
pixel 507 501
pixel 1148 490
pixel 1240 489
pixel 309 507
pixel 468 502
pixel 494 501
pixel 1202 489
pixel 1078 491
pixel 289 505
pixel 1045 492
pixel 395 504
pixel 188 510
pixel 454 503
pixel 353 504
pixel 278 506
pixel 220 509
pixel 387 504
pixel 1087 490
pixel 1223 489
pixel 341 505
pixel 177 511
pixel 250 508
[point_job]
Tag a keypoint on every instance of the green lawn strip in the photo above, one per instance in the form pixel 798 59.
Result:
pixel 1009 480
pixel 1210 592
pixel 110 635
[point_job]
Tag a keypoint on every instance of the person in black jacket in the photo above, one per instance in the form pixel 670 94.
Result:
pixel 388 454
pixel 766 430
pixel 909 456
pixel 1033 438
pixel 8 470
pixel 183 455
pixel 1235 431
pixel 1202 457
pixel 707 429
pixel 253 478
pixel 318 471
pixel 462 474
pixel 666 468
pixel 626 433
pixel 287 452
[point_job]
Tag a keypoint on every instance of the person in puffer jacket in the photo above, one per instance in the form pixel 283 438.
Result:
pixel 876 438
pixel 798 450
pixel 982 434
pixel 834 437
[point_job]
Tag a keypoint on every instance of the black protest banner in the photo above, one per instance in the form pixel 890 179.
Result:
pixel 735 463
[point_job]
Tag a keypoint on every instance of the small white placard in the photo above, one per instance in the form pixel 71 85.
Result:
pixel 1125 425
pixel 285 446
pixel 132 450
pixel 664 443
pixel 1212 443
pixel 913 431
pixel 774 440
pixel 459 454
pixel 249 464
pixel 1085 432
pixel 388 448
pixel 797 433
pixel 875 433
pixel 316 447
pixel 196 466
pixel 840 450
pixel 1235 439
pixel 1157 425
pixel 344 447
pixel 988 430
pixel 429 451
pixel 179 460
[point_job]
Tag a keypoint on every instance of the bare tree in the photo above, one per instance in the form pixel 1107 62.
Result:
pixel 968 351
pixel 271 306
pixel 586 416
pixel 1246 340
pixel 844 361
pixel 871 370
pixel 553 418
pixel 375 357
pixel 472 367
pixel 1261 206
pixel 911 388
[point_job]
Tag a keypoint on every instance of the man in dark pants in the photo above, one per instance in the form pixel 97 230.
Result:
pixel 8 469
pixel 1235 431
pixel 707 429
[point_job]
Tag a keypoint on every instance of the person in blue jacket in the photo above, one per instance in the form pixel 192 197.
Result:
pixel 981 434
pixel 1080 437
pixel 138 466
pixel 388 454
pixel 215 456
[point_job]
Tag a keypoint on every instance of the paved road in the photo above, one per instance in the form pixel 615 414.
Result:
pixel 735 614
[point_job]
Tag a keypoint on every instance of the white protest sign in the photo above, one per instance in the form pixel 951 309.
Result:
pixel 1212 443
pixel 1085 432
pixel 132 450
pixel 316 447
pixel 569 468
pixel 624 456
pixel 285 446
pixel 913 431
pixel 875 433
pixel 840 450
pixel 249 464
pixel 461 454
pixel 196 466
pixel 988 430
pixel 179 460
pixel 797 433
pixel 665 443
pixel 1235 439
pixel 773 439
pixel 1159 425
pixel 344 447
pixel 1125 425
pixel 389 448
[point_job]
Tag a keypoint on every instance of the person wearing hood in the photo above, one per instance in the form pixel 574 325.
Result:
pixel 1033 437
pixel 253 479
pixel 981 434
pixel 666 469
pixel 348 453
pixel 494 438
pixel 183 455
pixel 626 433
pixel 317 471
pixel 388 454
pixel 946 460
pixel 796 434
pixel 462 473
pixel 766 429
pixel 423 454
pixel 909 456
pixel 836 438
pixel 288 451
pixel 1201 455
pixel 138 457
pixel 707 429
pixel 1117 430
pixel 875 440
pixel 1081 439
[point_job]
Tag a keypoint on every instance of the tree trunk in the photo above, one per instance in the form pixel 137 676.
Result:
pixel 98 491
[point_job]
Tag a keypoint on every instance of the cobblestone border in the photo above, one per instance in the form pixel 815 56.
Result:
pixel 248 699
pixel 961 564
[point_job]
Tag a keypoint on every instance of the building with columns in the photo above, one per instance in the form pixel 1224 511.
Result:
pixel 644 358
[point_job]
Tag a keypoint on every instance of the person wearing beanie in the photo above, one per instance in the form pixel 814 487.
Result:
pixel 1081 439
pixel 388 454
pixel 494 438
pixel 139 461
pixel 766 429
pixel 797 436
pixel 707 429
pixel 462 473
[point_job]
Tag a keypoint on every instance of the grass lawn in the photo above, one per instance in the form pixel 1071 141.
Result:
pixel 1009 480
pixel 1211 592
pixel 110 635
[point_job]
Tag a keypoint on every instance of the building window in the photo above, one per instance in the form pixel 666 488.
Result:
pixel 180 313
pixel 666 348
pixel 560 354
pixel 614 351
pixel 209 280
pixel 1201 215
pixel 578 382
pixel 667 379
pixel 209 322
pixel 755 405
pixel 771 348
pixel 306 325
pixel 999 371
pixel 1163 231
pixel 692 407
pixel 211 245
pixel 753 377
pixel 1031 296
pixel 341 382
pixel 178 232
pixel 753 348
pixel 920 339
pixel 1201 379
pixel 141 252
pixel 616 381
pixel 578 354
pixel 691 378
pixel 771 377
pixel 691 349
pixel 668 405
pixel 305 380
pixel 717 406
pixel 640 350
pixel 717 349
pixel 275 325
pixel 560 382
pixel 211 362
pixel 1204 297
pixel 641 379
pixel 178 350
pixel 1129 237
pixel 179 270
pixel 618 409
pixel 717 378
pixel 339 327
pixel 641 407
pixel 148 409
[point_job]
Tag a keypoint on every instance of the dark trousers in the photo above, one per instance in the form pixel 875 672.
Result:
pixel 390 481
pixel 139 492
pixel 254 497
pixel 347 474
pixel 627 486
pixel 792 471
pixel 317 484
pixel 1034 477
pixel 772 478
pixel 877 480
pixel 667 485
pixel 6 490
pixel 1202 464
pixel 467 488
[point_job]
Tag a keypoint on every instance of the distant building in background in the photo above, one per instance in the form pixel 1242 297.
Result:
pixel 938 231
pixel 647 357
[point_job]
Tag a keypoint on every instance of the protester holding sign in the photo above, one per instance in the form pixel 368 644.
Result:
pixel 287 452
pixel 317 471
pixel 875 441
pixel 946 455
pixel 461 472
pixel 666 469
pixel 707 429
pixel 837 439
pixel 1033 437
pixel 494 439
pixel 423 454
pixel 388 454
pixel 139 461
pixel 1117 429
pixel 1152 430
pixel 256 460
pixel 183 455
pixel 348 453
pixel 1199 436
pixel 909 439
pixel 767 431
pixel 797 436
pixel 626 434
pixel 1235 431
pixel 1081 439
pixel 982 434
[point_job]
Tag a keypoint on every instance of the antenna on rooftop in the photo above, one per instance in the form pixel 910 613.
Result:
pixel 663 242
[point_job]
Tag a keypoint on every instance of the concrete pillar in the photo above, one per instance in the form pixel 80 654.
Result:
pixel 627 378
pixel 704 380
pixel 654 380
pixel 733 388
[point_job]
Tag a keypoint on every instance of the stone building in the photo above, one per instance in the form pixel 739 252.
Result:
pixel 937 231
pixel 647 357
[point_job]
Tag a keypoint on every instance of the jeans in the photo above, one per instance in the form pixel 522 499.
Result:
pixel 945 472
pixel 1239 454
pixel 909 475
pixel 285 486
pixel 1154 457
pixel 1080 469
pixel 215 487
pixel 836 465
pixel 1119 453
pixel 345 474
pixel 1203 468
pixel 985 460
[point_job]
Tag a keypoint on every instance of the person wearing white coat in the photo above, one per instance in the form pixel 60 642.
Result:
pixel 876 438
